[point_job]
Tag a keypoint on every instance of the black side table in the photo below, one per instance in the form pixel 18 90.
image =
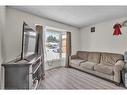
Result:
pixel 124 75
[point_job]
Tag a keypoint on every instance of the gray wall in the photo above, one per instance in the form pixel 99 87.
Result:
pixel 14 22
pixel 2 24
pixel 102 39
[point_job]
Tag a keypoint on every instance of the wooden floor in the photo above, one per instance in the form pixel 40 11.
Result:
pixel 68 78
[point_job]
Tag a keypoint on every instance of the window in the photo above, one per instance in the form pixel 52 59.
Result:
pixel 55 45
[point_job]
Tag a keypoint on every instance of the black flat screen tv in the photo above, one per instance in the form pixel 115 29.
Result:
pixel 29 42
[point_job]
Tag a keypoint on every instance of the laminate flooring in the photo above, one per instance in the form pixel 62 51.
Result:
pixel 69 78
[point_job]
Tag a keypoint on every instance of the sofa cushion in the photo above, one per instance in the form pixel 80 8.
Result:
pixel 88 65
pixel 106 69
pixel 94 57
pixel 82 55
pixel 110 58
pixel 76 61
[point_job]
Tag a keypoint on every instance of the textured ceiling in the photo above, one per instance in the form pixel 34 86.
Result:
pixel 77 16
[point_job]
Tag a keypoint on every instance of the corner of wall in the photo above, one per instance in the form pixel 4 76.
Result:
pixel 2 30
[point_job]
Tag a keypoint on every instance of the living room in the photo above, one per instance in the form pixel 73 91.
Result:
pixel 85 37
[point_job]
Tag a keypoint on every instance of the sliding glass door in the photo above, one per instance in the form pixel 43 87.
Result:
pixel 55 47
pixel 52 44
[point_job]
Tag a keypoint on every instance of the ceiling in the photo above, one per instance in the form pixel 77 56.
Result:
pixel 77 16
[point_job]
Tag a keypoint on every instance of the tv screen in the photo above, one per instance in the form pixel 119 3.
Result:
pixel 29 41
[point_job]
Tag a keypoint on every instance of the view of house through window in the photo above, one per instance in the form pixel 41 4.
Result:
pixel 55 44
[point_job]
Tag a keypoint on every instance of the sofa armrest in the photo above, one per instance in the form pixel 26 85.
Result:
pixel 119 65
pixel 117 70
pixel 74 56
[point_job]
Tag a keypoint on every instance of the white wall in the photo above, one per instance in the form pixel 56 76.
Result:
pixel 102 39
pixel 2 24
pixel 13 32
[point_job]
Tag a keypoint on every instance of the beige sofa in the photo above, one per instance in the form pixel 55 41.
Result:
pixel 102 64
